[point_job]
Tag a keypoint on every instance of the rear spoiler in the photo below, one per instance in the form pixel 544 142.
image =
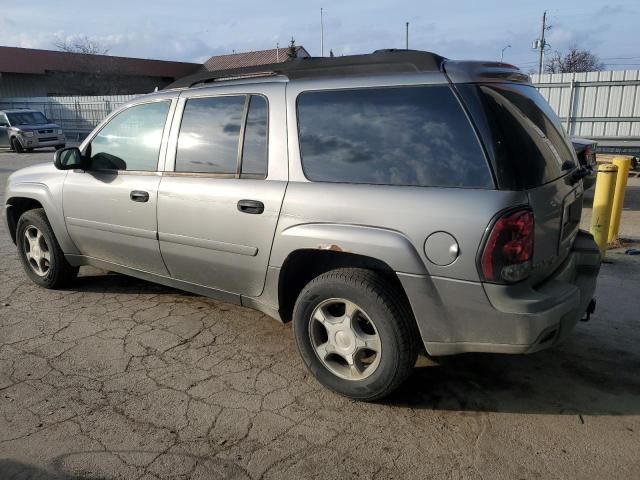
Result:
pixel 483 72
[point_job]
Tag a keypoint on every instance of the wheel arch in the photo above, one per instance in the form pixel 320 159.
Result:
pixel 303 265
pixel 304 251
pixel 29 195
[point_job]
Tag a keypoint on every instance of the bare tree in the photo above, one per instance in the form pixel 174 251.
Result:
pixel 575 60
pixel 81 44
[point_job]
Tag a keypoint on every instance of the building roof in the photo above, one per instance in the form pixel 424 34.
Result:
pixel 251 59
pixel 32 61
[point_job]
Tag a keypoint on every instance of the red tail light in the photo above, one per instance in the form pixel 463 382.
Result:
pixel 509 248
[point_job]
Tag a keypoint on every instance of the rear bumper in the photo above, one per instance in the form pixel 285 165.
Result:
pixel 457 316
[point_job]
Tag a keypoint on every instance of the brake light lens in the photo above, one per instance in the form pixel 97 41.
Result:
pixel 507 254
pixel 589 156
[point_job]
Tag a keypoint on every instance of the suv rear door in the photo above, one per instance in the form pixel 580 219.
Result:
pixel 222 190
pixel 530 151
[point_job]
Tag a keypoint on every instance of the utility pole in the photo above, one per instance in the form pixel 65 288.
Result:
pixel 541 42
pixel 321 33
pixel 407 36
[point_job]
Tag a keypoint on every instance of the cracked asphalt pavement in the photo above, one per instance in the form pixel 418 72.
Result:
pixel 117 378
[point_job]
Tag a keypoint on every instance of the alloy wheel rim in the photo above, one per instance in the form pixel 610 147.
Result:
pixel 37 251
pixel 345 339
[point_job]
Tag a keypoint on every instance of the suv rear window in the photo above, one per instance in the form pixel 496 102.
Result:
pixel 526 137
pixel 390 136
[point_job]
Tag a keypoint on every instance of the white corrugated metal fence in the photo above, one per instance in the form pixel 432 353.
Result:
pixel 601 105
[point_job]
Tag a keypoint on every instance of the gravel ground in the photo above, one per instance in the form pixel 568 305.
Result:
pixel 119 378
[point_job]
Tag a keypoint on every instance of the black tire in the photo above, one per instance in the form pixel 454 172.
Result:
pixel 29 150
pixel 16 145
pixel 59 273
pixel 393 320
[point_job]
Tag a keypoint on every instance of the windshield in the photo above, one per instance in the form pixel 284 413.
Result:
pixel 26 118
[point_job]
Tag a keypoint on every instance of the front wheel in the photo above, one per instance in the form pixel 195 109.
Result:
pixel 355 333
pixel 16 145
pixel 41 256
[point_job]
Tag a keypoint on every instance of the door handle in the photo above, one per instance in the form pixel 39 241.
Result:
pixel 139 196
pixel 251 206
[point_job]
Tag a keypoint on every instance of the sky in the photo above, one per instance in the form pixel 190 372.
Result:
pixel 193 30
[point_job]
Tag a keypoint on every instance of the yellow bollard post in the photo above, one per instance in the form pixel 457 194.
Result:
pixel 602 203
pixel 623 164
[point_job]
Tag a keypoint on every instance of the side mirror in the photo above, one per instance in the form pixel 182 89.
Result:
pixel 68 158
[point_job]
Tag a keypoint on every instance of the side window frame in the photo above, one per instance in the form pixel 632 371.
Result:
pixel 255 176
pixel 177 125
pixel 86 144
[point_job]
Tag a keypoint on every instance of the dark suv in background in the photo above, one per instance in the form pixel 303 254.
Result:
pixel 23 130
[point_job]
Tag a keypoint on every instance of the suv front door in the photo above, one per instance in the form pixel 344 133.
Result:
pixel 110 208
pixel 221 195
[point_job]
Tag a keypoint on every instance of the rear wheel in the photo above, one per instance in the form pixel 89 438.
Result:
pixel 355 333
pixel 41 256
pixel 16 145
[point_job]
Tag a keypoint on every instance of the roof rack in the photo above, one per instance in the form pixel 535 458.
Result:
pixel 380 61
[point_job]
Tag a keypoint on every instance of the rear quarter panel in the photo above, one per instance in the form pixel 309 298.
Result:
pixel 410 213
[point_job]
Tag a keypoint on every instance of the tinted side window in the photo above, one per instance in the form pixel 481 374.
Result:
pixel 254 152
pixel 391 136
pixel 131 140
pixel 527 135
pixel 209 135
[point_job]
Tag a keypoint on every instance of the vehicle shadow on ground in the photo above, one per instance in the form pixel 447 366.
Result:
pixel 582 376
pixel 48 151
pixel 573 378
pixel 98 281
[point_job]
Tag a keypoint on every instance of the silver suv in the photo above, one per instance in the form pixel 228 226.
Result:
pixel 384 203
pixel 24 129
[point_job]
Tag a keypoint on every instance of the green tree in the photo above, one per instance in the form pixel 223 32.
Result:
pixel 292 51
